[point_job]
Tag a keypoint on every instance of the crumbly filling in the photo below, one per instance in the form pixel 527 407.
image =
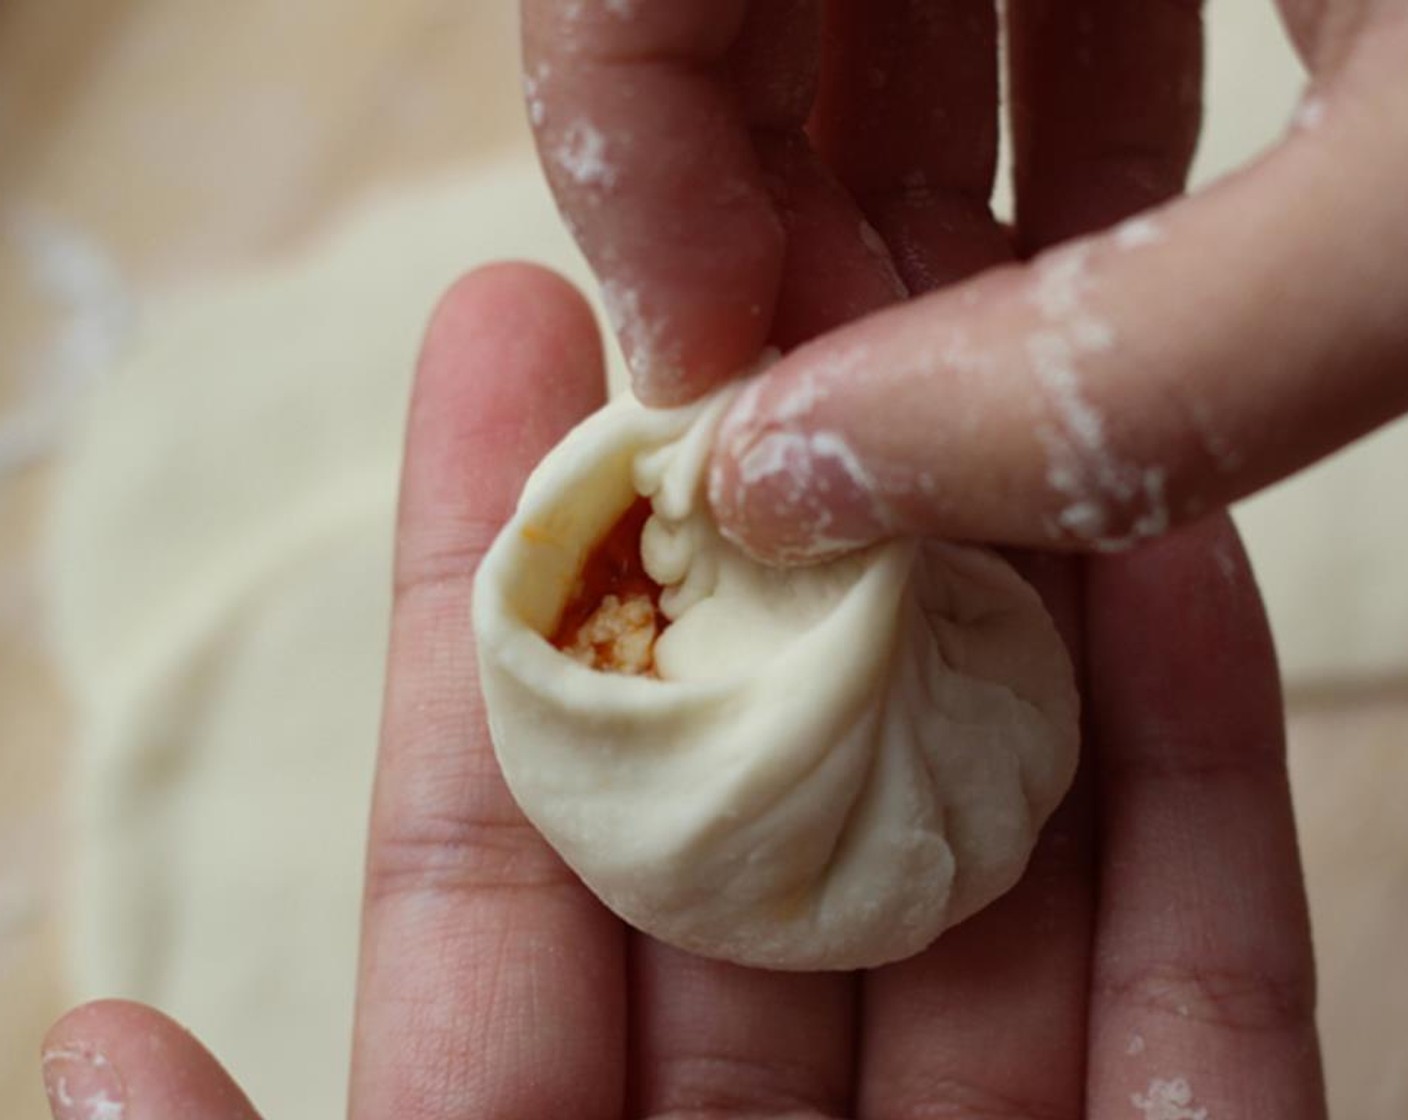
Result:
pixel 618 637
pixel 612 619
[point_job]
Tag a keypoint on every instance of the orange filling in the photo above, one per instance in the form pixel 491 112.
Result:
pixel 612 618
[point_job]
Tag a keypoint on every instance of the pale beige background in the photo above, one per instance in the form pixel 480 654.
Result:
pixel 143 142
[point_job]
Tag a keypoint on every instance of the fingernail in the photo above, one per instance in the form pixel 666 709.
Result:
pixel 797 497
pixel 83 1085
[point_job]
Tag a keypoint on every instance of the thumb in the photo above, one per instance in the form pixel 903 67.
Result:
pixel 1116 386
pixel 114 1060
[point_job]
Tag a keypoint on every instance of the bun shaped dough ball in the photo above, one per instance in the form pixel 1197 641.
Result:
pixel 813 768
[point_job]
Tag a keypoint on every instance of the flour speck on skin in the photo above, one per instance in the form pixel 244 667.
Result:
pixel 1155 521
pixel 1053 360
pixel 1309 115
pixel 957 356
pixel 533 93
pixel 803 473
pixel 846 363
pixel 1092 336
pixel 622 9
pixel 796 400
pixel 830 446
pixel 1138 233
pixel 1168 1100
pixel 1096 484
pixel 769 457
pixel 1224 554
pixel 1135 1046
pixel 1084 520
pixel 800 399
pixel 642 336
pixel 582 154
pixel 1062 282
pixel 738 422
pixel 1225 457
pixel 813 479
pixel 98 1106
pixel 83 1084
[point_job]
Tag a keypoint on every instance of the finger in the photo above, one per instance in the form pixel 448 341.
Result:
pixel 1106 106
pixel 836 268
pixel 1323 31
pixel 711 1037
pixel 714 1039
pixel 1115 387
pixel 672 137
pixel 907 116
pixel 991 1020
pixel 1203 979
pixel 491 981
pixel 651 160
pixel 122 1061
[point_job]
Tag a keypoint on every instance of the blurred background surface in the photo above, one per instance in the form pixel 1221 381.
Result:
pixel 171 172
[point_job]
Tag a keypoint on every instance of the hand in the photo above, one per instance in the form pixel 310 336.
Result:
pixel 1155 957
pixel 727 168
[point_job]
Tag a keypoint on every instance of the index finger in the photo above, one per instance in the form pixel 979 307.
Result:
pixel 491 981
pixel 1119 385
pixel 1203 982
pixel 646 144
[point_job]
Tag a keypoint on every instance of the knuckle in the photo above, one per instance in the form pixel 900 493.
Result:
pixel 438 856
pixel 952 1098
pixel 715 1086
pixel 1233 999
pixel 441 558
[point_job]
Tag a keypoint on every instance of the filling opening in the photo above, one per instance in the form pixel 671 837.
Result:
pixel 612 618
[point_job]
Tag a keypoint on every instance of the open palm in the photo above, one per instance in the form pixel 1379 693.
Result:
pixel 1154 962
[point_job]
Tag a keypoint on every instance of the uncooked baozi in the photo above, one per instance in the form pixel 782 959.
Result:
pixel 820 768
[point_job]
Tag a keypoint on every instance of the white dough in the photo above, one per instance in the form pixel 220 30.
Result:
pixel 835 764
